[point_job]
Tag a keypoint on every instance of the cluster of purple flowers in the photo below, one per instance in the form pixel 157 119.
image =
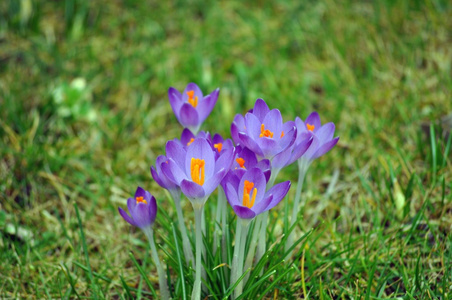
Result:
pixel 245 167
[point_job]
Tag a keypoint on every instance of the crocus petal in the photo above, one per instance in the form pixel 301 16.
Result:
pixel 325 148
pixel 281 159
pixel 299 150
pixel 214 182
pixel 265 166
pixel 125 216
pixel 243 212
pixel 201 149
pixel 301 126
pixel 251 144
pixel 140 192
pixel 176 152
pixel 140 215
pixel 290 134
pixel 261 206
pixel 326 132
pixel 256 176
pixel 175 99
pixel 156 177
pixel 228 144
pixel 278 192
pixel 231 194
pixel 312 149
pixel 186 137
pixel 188 116
pixel 314 119
pixel 207 104
pixel 173 172
pixel 269 147
pixel 192 190
pixel 260 109
pixel 273 121
pixel 225 160
pixel 152 209
pixel 192 87
pixel 249 157
pixel 131 203
pixel 217 138
pixel 253 126
pixel 238 125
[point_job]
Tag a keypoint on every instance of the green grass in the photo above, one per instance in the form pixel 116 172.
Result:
pixel 380 70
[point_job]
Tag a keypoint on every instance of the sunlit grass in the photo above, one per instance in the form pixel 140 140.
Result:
pixel 377 208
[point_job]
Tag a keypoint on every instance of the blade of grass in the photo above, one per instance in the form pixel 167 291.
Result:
pixel 126 288
pixel 181 268
pixel 143 274
pixel 276 281
pixel 85 250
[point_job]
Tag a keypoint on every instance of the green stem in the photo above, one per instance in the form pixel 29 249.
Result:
pixel 252 248
pixel 239 251
pixel 186 245
pixel 244 231
pixel 302 170
pixel 224 220
pixel 217 222
pixel 164 292
pixel 196 294
pixel 264 217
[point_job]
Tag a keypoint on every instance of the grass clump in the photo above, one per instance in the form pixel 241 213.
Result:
pixel 377 212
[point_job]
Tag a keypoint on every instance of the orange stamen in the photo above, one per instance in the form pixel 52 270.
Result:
pixel 197 170
pixel 241 162
pixel 265 132
pixel 247 200
pixel 310 127
pixel 140 200
pixel 282 134
pixel 191 100
pixel 191 141
pixel 218 146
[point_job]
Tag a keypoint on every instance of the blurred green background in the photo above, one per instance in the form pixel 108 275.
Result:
pixel 84 113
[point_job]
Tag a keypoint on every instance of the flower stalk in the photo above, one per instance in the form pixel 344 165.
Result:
pixel 164 292
pixel 239 253
pixel 303 167
pixel 188 252
pixel 196 294
pixel 261 248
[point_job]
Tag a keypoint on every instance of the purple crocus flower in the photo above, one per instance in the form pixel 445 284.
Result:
pixel 219 144
pixel 161 178
pixel 142 209
pixel 187 137
pixel 248 196
pixel 263 131
pixel 322 136
pixel 294 152
pixel 191 107
pixel 244 160
pixel 195 169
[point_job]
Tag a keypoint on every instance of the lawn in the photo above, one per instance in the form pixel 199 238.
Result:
pixel 84 113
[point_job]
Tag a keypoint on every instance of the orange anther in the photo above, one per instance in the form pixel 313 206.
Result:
pixel 197 170
pixel 241 162
pixel 191 141
pixel 218 146
pixel 265 132
pixel 191 100
pixel 310 127
pixel 248 200
pixel 140 200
